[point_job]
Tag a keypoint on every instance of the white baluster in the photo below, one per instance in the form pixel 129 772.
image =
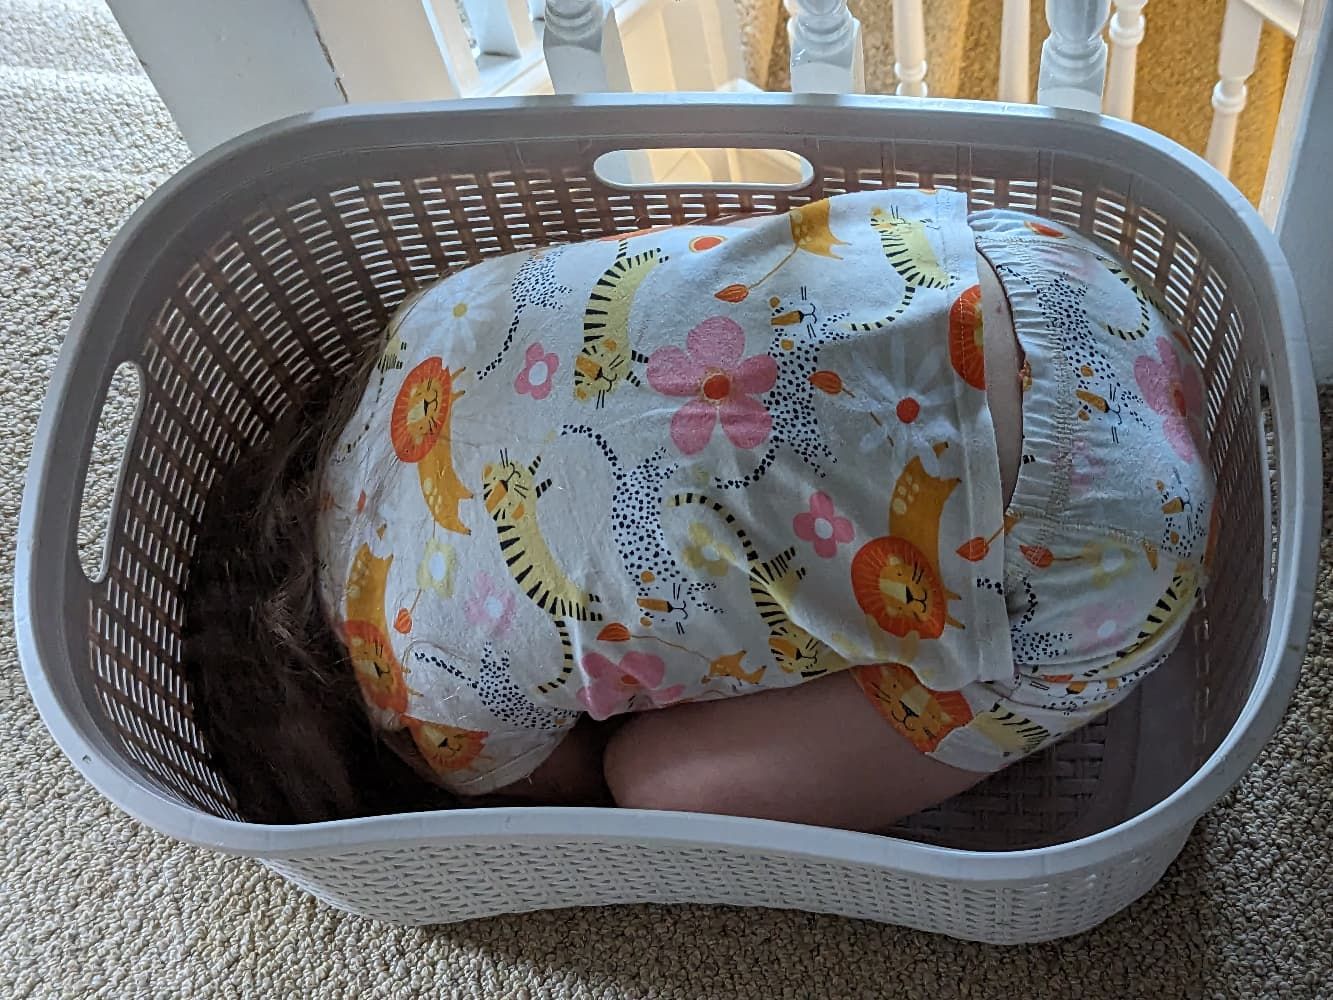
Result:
pixel 826 52
pixel 909 47
pixel 582 45
pixel 1015 25
pixel 450 35
pixel 1073 57
pixel 1126 32
pixel 1241 28
pixel 501 27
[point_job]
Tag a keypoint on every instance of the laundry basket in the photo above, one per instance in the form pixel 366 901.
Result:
pixel 277 259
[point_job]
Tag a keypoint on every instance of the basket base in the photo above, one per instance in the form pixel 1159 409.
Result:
pixel 1117 766
pixel 491 879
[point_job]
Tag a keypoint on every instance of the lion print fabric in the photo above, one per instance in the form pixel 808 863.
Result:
pixel 1110 528
pixel 685 464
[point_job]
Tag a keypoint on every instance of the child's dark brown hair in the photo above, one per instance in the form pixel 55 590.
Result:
pixel 272 690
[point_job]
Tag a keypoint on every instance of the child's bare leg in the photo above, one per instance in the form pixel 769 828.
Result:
pixel 817 753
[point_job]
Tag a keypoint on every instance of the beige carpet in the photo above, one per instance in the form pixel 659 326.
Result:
pixel 91 904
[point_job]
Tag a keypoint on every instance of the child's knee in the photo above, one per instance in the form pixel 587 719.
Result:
pixel 646 768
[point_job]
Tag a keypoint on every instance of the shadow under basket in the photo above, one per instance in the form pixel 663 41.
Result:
pixel 274 261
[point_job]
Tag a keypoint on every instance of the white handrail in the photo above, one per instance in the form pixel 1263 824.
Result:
pixel 826 50
pixel 1296 196
pixel 1073 57
pixel 1126 32
pixel 1294 129
pixel 450 37
pixel 304 54
pixel 703 44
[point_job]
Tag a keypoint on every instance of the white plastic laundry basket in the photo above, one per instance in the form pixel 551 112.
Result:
pixel 273 261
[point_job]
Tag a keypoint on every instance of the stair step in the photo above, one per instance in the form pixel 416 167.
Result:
pixel 20 173
pixel 79 35
pixel 86 122
pixel 58 223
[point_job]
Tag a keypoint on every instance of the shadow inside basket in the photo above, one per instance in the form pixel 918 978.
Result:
pixel 1085 783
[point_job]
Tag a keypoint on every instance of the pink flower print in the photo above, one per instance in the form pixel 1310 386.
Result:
pixel 1175 392
pixel 615 686
pixel 822 526
pixel 1104 625
pixel 538 374
pixel 489 607
pixel 721 384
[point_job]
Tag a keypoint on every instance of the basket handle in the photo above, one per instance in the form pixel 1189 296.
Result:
pixel 708 167
pixel 52 593
pixel 47 561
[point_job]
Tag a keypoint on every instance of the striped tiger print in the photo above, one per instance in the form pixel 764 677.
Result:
pixel 566 658
pixel 1177 600
pixel 909 253
pixel 1011 732
pixel 606 359
pixel 510 492
pixel 664 592
pixel 772 588
pixel 1143 297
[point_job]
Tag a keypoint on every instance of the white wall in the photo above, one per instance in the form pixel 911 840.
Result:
pixel 1305 221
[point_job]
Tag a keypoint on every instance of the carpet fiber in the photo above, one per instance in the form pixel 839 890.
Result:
pixel 92 904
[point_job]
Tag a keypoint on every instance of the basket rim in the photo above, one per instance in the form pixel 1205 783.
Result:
pixel 47 560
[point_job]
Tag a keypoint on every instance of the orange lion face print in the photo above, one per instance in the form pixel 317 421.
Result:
pixel 365 633
pixel 896 578
pixel 419 428
pixel 446 748
pixel 923 716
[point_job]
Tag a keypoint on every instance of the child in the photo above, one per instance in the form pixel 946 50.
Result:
pixel 820 517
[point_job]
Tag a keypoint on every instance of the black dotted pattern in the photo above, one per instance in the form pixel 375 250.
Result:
pixel 1032 646
pixel 534 285
pixel 1185 531
pixel 502 697
pixel 1040 647
pixel 795 348
pixel 636 528
pixel 1101 395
